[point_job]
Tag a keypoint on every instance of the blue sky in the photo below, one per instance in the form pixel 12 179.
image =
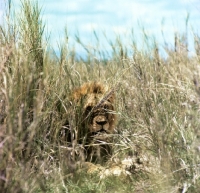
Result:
pixel 117 17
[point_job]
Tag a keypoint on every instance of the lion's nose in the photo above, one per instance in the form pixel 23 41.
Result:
pixel 101 122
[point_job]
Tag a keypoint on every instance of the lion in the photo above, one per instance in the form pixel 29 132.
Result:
pixel 95 119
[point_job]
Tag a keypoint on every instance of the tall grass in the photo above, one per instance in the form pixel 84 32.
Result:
pixel 157 105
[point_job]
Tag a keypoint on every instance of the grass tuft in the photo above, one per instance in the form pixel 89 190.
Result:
pixel 157 108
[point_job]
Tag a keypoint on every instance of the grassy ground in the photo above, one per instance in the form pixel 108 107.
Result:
pixel 157 103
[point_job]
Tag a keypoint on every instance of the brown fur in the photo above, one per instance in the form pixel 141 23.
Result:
pixel 95 118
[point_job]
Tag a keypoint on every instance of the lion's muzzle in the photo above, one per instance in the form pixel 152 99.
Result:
pixel 101 120
pixel 100 123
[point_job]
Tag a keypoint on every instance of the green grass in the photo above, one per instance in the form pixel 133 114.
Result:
pixel 157 103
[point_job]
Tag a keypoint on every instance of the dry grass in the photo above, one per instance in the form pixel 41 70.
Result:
pixel 157 106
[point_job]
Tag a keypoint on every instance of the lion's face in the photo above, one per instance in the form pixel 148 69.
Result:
pixel 99 119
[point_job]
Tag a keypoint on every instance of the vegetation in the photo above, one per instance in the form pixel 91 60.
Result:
pixel 157 107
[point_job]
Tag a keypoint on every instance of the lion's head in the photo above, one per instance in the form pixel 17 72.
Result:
pixel 96 108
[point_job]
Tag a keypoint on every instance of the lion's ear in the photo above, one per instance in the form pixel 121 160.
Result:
pixel 111 97
pixel 77 95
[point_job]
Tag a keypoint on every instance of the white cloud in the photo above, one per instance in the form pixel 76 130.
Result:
pixel 190 1
pixel 118 16
pixel 1 11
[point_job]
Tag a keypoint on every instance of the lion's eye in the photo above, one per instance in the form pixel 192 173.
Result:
pixel 106 107
pixel 89 108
